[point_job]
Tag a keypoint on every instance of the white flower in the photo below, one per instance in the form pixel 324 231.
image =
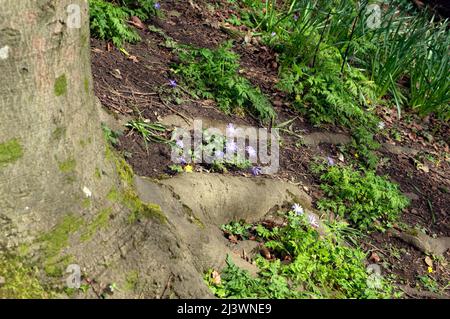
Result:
pixel 313 221
pixel 381 125
pixel 87 192
pixel 251 151
pixel 296 208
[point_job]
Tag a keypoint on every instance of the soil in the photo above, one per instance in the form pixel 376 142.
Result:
pixel 142 89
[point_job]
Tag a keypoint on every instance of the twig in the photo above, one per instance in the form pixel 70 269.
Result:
pixel 166 287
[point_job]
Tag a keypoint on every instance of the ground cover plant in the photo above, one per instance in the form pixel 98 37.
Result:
pixel 339 59
pixel 303 265
pixel 365 199
pixel 214 74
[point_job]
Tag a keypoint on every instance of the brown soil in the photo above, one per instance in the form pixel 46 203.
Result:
pixel 142 88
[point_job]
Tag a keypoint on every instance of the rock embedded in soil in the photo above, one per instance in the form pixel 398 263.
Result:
pixel 317 138
pixel 423 242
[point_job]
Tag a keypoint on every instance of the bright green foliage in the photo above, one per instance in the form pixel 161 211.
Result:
pixel 365 199
pixel 239 228
pixel 108 21
pixel 320 267
pixel 213 74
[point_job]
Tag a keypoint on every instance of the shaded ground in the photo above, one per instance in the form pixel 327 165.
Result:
pixel 138 86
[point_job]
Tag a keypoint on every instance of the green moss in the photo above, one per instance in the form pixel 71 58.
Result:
pixel 61 85
pixel 58 133
pixel 128 197
pixel 86 85
pixel 86 203
pixel 132 280
pixel 20 280
pixel 97 173
pixel 113 195
pixel 10 152
pixel 100 221
pixel 55 241
pixel 67 166
pixel 140 210
pixel 194 219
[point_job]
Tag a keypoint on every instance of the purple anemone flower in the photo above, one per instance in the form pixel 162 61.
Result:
pixel 173 83
pixel 157 6
pixel 256 170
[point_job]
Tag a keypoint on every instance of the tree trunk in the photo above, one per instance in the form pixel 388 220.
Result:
pixel 51 144
pixel 65 197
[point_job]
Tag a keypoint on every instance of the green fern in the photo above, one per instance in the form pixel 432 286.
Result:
pixel 108 21
pixel 214 74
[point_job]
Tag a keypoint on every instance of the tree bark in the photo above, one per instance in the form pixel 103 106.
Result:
pixel 51 145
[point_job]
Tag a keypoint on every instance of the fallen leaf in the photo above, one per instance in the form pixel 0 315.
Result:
pixel 137 22
pixel 97 50
pixel 117 74
pixel 423 167
pixel 428 261
pixel 374 257
pixel 265 252
pixel 233 239
pixel 216 278
pixel 133 58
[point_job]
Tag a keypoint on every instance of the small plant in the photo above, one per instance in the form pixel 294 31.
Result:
pixel 213 74
pixel 151 132
pixel 216 147
pixel 110 135
pixel 368 201
pixel 239 229
pixel 108 19
pixel 429 283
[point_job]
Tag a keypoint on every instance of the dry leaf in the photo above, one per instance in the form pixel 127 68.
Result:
pixel 133 58
pixel 137 22
pixel 428 261
pixel 233 239
pixel 265 252
pixel 374 257
pixel 423 167
pixel 216 278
